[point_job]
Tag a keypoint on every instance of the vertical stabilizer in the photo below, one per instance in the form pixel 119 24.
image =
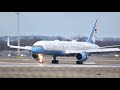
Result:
pixel 92 36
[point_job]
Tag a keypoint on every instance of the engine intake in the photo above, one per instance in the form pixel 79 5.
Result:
pixel 81 56
pixel 35 56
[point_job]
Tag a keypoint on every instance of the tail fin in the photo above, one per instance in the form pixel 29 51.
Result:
pixel 92 36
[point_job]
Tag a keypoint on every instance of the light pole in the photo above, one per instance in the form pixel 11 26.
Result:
pixel 18 35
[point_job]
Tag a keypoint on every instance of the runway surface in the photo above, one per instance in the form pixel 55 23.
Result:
pixel 8 64
pixel 94 67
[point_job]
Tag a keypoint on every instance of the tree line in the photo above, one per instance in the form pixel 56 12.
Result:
pixel 30 42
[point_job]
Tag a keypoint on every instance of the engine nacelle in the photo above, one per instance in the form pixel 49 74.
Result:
pixel 35 56
pixel 81 56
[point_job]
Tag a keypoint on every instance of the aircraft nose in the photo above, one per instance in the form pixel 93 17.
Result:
pixel 37 50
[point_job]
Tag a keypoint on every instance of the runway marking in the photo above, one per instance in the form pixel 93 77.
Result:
pixel 89 62
pixel 7 64
pixel 68 65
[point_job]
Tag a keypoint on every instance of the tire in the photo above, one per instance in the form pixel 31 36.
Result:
pixel 55 61
pixel 79 62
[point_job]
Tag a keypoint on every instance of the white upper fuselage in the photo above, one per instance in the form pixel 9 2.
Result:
pixel 65 45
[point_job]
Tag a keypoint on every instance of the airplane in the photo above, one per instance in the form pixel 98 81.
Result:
pixel 80 50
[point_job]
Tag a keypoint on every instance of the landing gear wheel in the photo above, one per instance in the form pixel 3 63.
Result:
pixel 55 61
pixel 79 62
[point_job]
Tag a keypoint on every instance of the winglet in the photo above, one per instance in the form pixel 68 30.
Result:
pixel 8 42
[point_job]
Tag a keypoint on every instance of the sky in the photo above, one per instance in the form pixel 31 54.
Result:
pixel 66 24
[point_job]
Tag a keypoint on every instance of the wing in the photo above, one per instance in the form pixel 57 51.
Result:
pixel 18 47
pixel 110 46
pixel 93 50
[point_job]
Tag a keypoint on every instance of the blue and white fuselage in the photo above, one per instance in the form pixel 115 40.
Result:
pixel 59 48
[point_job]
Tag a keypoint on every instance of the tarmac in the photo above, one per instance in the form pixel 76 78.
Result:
pixel 94 67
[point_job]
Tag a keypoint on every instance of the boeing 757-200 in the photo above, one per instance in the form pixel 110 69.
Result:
pixel 79 50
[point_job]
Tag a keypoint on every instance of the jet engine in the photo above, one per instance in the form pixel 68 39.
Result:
pixel 35 56
pixel 81 56
pixel 38 57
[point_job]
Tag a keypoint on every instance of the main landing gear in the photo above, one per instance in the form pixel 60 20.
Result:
pixel 55 61
pixel 79 62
